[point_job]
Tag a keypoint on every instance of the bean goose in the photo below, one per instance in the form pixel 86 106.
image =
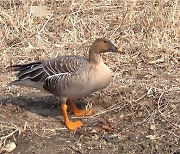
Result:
pixel 69 77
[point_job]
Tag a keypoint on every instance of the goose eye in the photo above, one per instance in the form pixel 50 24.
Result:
pixel 105 41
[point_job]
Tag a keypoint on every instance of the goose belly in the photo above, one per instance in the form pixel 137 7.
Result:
pixel 89 82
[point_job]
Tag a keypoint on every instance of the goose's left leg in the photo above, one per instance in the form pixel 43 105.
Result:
pixel 79 112
pixel 70 125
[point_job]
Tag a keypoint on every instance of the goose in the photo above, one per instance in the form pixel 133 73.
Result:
pixel 69 77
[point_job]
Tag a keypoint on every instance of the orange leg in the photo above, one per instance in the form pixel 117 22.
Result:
pixel 70 125
pixel 78 112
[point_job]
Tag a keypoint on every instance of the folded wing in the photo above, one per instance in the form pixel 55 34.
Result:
pixel 46 74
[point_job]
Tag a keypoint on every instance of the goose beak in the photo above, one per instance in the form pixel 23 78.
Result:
pixel 113 48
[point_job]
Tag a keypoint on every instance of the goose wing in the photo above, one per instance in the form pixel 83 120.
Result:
pixel 64 76
pixel 46 73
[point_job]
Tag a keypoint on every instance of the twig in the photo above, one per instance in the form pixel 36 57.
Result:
pixel 109 110
pixel 45 23
pixel 4 138
pixel 164 117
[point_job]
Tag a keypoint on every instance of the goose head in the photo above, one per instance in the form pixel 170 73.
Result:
pixel 100 45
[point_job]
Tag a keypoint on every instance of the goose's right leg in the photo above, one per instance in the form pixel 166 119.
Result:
pixel 79 112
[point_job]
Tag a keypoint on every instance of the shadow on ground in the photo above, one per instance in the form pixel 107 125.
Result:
pixel 44 106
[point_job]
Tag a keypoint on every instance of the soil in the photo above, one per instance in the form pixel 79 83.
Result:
pixel 139 112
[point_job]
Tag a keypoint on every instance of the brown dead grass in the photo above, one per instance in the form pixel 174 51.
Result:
pixel 142 102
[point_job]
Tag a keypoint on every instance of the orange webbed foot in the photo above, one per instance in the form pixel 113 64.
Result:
pixel 83 112
pixel 73 125
pixel 79 112
pixel 70 125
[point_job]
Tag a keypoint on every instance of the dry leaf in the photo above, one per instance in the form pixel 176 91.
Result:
pixel 10 147
pixel 152 137
pixel 40 11
pixel 160 60
pixel 152 127
pixel 120 49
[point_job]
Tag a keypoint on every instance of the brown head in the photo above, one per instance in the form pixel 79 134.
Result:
pixel 101 45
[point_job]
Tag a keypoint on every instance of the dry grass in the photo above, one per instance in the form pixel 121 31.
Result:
pixel 145 87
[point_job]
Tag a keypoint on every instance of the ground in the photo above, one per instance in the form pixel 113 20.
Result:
pixel 139 112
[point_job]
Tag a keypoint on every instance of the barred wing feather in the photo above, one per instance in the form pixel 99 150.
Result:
pixel 48 73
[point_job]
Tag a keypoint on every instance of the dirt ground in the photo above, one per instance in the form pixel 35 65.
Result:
pixel 139 112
